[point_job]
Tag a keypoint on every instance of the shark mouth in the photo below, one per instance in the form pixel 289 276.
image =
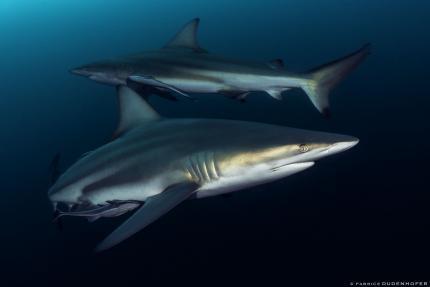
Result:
pixel 93 212
pixel 294 166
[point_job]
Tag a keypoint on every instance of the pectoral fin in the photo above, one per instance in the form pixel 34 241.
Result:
pixel 151 81
pixel 153 208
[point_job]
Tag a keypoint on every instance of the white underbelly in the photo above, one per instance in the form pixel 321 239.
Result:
pixel 195 86
pixel 249 179
pixel 130 191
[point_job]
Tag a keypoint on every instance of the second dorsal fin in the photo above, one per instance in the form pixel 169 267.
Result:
pixel 133 110
pixel 186 37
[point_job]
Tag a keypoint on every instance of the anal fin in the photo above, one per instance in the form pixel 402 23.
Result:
pixel 277 94
pixel 235 95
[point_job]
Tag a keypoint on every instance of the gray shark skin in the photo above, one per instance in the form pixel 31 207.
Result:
pixel 183 67
pixel 158 162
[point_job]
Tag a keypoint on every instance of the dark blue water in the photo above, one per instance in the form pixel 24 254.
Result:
pixel 361 215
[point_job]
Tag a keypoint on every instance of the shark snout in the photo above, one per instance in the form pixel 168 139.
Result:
pixel 99 74
pixel 81 71
pixel 343 145
pixel 327 145
pixel 338 146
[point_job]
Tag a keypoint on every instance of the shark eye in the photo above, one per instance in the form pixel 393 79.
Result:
pixel 303 148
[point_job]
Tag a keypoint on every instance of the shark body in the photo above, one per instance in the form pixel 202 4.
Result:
pixel 183 67
pixel 155 163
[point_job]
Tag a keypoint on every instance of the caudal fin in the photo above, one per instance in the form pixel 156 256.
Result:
pixel 324 78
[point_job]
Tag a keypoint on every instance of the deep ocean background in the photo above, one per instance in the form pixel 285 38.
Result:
pixel 360 216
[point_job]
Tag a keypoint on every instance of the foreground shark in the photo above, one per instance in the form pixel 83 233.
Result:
pixel 183 67
pixel 156 163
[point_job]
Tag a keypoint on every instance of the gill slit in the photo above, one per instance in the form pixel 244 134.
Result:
pixel 191 170
pixel 204 167
pixel 209 166
pixel 197 169
pixel 215 167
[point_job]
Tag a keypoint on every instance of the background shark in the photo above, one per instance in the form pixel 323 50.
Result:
pixel 163 162
pixel 183 67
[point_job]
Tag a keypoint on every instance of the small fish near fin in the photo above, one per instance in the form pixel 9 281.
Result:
pixel 152 82
pixel 82 213
pixel 113 212
pixel 145 91
pixel 324 78
pixel 187 37
pixel 133 110
pixel 111 209
pixel 153 209
pixel 276 64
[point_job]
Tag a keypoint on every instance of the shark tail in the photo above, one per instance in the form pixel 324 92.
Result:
pixel 324 78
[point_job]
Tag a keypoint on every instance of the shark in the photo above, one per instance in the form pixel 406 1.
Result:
pixel 155 163
pixel 182 67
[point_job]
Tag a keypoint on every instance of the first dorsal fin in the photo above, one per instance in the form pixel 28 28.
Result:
pixel 187 37
pixel 133 110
